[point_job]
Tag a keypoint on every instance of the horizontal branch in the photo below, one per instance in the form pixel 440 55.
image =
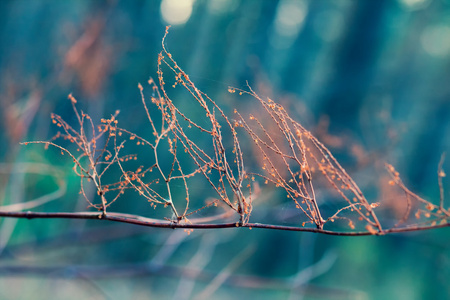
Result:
pixel 142 221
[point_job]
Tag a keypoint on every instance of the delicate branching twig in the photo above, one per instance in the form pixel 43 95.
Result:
pixel 189 148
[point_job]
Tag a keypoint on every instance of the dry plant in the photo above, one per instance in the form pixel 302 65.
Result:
pixel 211 148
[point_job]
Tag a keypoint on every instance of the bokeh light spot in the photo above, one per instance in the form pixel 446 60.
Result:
pixel 220 7
pixel 176 12
pixel 435 40
pixel 328 25
pixel 414 4
pixel 288 22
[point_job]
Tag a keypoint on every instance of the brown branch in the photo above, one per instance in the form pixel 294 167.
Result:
pixel 142 221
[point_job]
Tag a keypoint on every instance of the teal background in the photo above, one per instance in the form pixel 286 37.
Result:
pixel 374 73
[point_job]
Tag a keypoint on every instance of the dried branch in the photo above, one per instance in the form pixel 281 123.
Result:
pixel 187 147
pixel 142 221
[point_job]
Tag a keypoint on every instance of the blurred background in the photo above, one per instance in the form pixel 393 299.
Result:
pixel 369 78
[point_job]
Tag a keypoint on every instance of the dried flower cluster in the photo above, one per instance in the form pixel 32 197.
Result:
pixel 290 159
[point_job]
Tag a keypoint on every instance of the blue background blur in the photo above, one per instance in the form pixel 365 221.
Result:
pixel 369 78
